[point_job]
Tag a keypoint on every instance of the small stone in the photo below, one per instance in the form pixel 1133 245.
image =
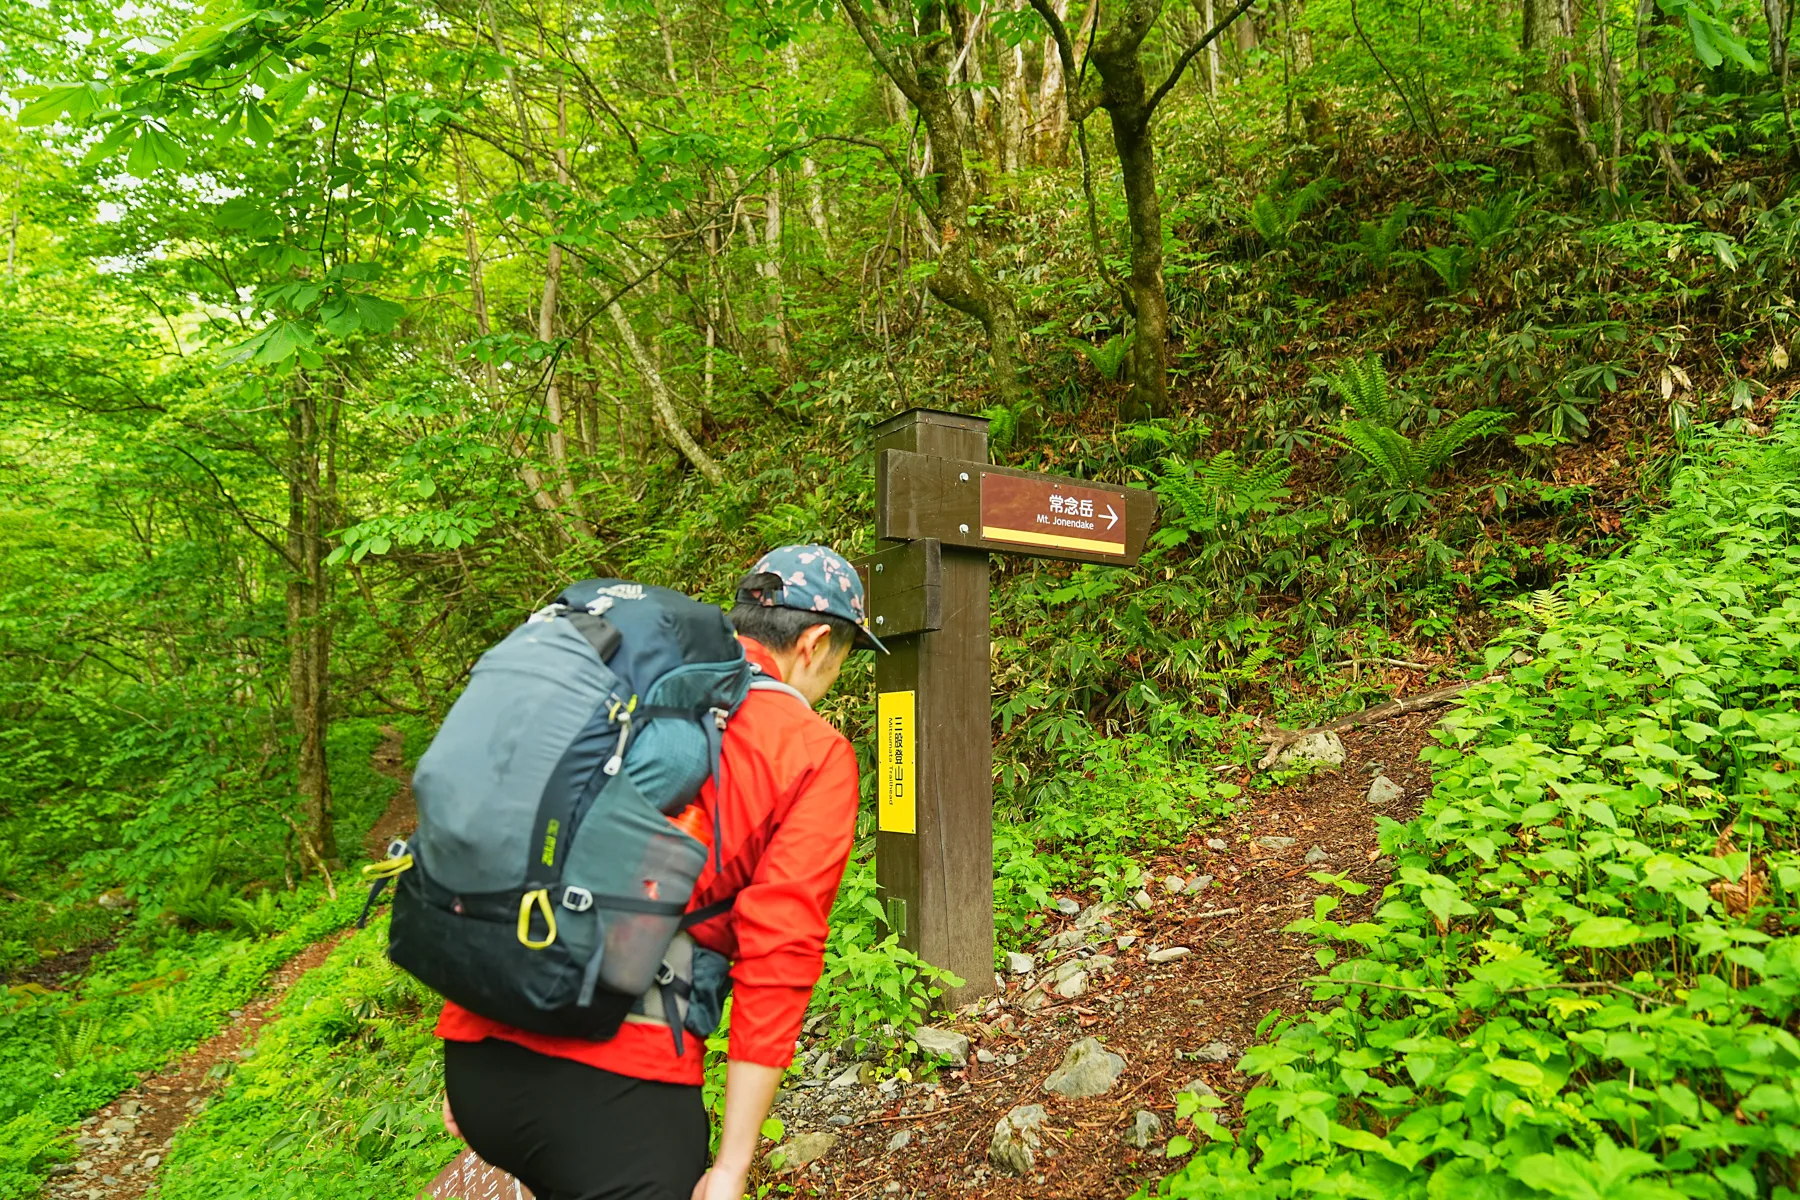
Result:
pixel 847 1077
pixel 130 1108
pixel 1216 1052
pixel 1198 884
pixel 1066 906
pixel 84 1165
pixel 1088 1069
pixel 1073 986
pixel 112 899
pixel 1385 791
pixel 1011 1060
pixel 1174 885
pixel 153 1162
pixel 1275 843
pixel 1095 915
pixel 1322 747
pixel 1020 963
pixel 1100 962
pixel 1142 901
pixel 1068 939
pixel 120 1125
pixel 893 1188
pixel 1167 954
pixel 1216 844
pixel 838 1120
pixel 58 1170
pixel 803 1148
pixel 899 1140
pixel 944 1043
pixel 1196 1087
pixel 984 1056
pixel 1145 1128
pixel 1125 941
pixel 110 1180
pixel 1316 855
pixel 1013 1147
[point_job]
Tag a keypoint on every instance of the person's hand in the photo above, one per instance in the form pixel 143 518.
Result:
pixel 720 1184
pixel 451 1125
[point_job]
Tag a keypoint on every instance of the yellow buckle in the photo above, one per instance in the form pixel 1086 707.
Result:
pixel 542 897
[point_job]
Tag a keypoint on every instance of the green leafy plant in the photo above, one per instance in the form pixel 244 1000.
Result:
pixel 1487 224
pixel 1582 980
pixel 1362 386
pixel 1378 242
pixel 1454 265
pixel 1108 358
pixel 1275 213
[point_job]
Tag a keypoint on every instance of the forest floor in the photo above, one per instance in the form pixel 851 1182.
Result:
pixel 1173 1023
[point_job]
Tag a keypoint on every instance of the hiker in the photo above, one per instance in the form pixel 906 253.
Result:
pixel 622 1118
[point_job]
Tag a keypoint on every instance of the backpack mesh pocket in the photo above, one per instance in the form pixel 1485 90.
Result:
pixel 640 871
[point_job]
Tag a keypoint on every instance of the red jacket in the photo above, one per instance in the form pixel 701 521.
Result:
pixel 786 798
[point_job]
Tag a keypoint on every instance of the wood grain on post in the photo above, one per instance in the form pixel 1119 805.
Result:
pixel 936 869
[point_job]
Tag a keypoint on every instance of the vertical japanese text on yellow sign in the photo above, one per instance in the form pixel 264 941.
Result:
pixel 896 810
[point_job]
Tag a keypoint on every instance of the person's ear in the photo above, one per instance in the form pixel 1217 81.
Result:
pixel 814 644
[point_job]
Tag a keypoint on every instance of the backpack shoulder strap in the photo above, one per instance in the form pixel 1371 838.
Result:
pixel 762 683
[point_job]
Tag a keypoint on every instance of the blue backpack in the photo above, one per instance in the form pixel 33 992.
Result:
pixel 546 882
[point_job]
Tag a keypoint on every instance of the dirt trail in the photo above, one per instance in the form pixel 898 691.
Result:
pixel 121 1146
pixel 402 815
pixel 1175 1022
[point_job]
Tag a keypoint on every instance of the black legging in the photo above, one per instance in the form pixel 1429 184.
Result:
pixel 569 1131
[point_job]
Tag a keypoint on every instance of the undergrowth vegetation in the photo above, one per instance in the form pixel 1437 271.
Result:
pixel 1583 980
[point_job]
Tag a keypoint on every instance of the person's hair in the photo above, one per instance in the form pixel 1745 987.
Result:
pixel 779 627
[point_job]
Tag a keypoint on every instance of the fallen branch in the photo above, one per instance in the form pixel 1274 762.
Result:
pixel 1281 739
pixel 1354 663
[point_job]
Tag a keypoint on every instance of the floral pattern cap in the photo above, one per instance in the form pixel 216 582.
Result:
pixel 813 579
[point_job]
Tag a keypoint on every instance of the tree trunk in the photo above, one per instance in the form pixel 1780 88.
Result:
pixel 775 336
pixel 1554 150
pixel 662 403
pixel 1118 55
pixel 924 76
pixel 1212 50
pixel 1009 124
pixel 1052 127
pixel 308 636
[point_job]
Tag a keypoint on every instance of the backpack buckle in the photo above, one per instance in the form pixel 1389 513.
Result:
pixel 396 848
pixel 577 899
pixel 719 716
pixel 665 975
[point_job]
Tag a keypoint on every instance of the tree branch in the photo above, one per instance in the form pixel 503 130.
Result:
pixel 1187 56
pixel 905 80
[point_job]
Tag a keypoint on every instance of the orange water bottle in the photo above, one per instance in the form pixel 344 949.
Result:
pixel 694 821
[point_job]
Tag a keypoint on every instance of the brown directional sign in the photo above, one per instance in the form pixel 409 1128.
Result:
pixel 1046 515
pixel 964 503
pixel 469 1178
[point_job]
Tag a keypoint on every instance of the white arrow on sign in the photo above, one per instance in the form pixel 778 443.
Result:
pixel 1112 518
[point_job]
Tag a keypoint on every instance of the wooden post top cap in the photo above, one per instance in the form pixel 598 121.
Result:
pixel 931 416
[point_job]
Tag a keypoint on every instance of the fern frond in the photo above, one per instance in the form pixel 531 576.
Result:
pixel 1362 386
pixel 1544 606
pixel 1438 446
pixel 1386 450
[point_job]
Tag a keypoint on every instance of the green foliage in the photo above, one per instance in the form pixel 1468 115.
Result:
pixel 1408 464
pixel 1378 242
pixel 1109 356
pixel 1274 214
pixel 1361 385
pixel 1580 982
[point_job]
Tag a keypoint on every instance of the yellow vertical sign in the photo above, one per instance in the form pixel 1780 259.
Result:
pixel 896 808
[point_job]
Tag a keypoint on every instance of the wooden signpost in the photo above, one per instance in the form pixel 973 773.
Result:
pixel 946 509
